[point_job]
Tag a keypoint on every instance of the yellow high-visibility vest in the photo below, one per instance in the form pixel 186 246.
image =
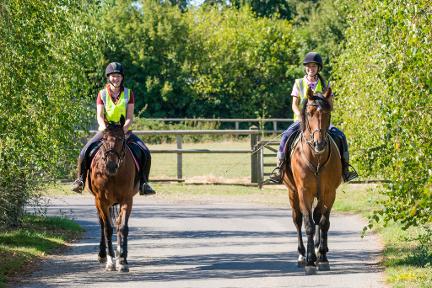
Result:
pixel 302 87
pixel 114 111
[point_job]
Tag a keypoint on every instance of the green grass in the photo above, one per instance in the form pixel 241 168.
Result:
pixel 37 236
pixel 357 198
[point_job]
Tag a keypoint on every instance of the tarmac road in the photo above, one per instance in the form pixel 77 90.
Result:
pixel 204 244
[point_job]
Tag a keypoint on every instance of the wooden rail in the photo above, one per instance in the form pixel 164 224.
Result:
pixel 255 136
pixel 236 121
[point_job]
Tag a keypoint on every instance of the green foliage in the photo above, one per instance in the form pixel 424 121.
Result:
pixel 48 53
pixel 385 82
pixel 240 70
pixel 320 27
pixel 202 62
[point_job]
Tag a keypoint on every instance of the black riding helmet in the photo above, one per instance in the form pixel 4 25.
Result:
pixel 313 57
pixel 114 67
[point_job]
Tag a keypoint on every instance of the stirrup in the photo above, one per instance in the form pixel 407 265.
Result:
pixel 276 176
pixel 350 175
pixel 78 186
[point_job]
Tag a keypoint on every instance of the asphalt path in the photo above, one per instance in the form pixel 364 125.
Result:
pixel 207 244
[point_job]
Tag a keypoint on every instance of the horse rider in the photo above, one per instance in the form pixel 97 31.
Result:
pixel 313 64
pixel 114 101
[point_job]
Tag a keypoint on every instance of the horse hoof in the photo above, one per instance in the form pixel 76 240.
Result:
pixel 123 268
pixel 310 270
pixel 323 266
pixel 102 259
pixel 301 261
pixel 110 267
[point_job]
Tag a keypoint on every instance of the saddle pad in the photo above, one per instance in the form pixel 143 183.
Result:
pixel 294 144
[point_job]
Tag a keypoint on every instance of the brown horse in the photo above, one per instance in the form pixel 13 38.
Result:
pixel 314 172
pixel 112 180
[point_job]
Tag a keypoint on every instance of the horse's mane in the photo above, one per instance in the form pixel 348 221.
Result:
pixel 319 100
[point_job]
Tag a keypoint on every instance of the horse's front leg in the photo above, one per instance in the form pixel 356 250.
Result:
pixel 298 219
pixel 310 251
pixel 108 231
pixel 324 225
pixel 122 236
pixel 102 244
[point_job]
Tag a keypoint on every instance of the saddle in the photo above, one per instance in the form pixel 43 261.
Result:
pixel 133 147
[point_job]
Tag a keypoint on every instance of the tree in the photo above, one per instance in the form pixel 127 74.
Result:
pixel 48 51
pixel 383 93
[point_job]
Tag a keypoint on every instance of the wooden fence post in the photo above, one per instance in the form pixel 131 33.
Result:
pixel 179 141
pixel 254 155
pixel 260 164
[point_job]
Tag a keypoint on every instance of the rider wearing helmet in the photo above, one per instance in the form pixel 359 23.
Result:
pixel 112 102
pixel 313 64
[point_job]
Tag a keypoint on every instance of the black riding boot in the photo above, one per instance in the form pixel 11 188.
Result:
pixel 347 175
pixel 145 188
pixel 79 183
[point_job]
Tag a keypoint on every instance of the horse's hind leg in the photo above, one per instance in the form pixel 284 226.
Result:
pixel 316 219
pixel 298 219
pixel 122 235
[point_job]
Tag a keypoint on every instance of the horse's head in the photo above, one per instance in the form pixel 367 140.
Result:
pixel 113 146
pixel 316 119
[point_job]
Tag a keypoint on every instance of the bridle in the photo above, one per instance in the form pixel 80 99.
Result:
pixel 311 142
pixel 120 155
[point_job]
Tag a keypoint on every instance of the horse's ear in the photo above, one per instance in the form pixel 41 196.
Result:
pixel 328 93
pixel 122 121
pixel 309 93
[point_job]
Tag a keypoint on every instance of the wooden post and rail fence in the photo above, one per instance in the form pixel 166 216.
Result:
pixel 237 121
pixel 259 151
pixel 256 150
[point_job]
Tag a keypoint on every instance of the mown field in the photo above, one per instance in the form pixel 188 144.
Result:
pixel 205 167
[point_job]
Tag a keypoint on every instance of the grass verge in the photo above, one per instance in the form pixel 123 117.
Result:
pixel 38 236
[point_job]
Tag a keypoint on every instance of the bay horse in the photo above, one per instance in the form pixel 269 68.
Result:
pixel 313 172
pixel 113 180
